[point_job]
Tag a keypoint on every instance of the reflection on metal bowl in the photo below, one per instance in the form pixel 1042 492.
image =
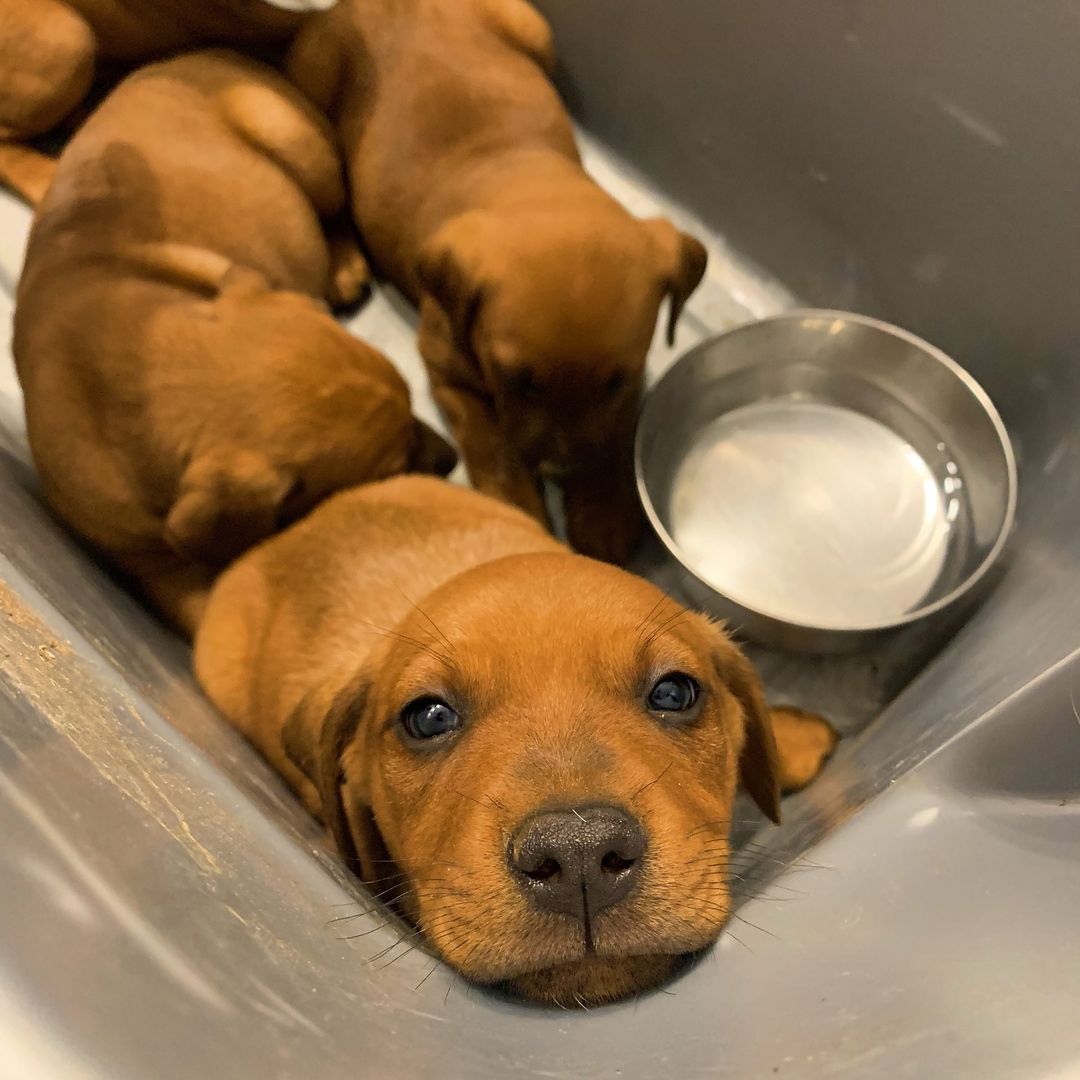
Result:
pixel 825 477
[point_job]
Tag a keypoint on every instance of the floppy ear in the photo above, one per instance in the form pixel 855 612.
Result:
pixel 449 270
pixel 759 767
pixel 682 261
pixel 228 499
pixel 314 739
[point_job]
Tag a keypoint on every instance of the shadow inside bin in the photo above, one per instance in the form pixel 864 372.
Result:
pixel 504 994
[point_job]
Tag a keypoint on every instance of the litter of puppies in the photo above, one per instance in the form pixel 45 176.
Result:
pixel 541 750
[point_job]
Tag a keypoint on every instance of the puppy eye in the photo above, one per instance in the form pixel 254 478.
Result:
pixel 673 692
pixel 428 718
pixel 615 383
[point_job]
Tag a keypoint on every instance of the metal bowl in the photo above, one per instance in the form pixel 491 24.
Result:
pixel 826 478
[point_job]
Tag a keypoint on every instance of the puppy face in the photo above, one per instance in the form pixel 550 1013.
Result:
pixel 552 771
pixel 557 312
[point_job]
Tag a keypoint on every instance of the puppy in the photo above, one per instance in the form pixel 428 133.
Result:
pixel 49 49
pixel 538 292
pixel 540 751
pixel 186 393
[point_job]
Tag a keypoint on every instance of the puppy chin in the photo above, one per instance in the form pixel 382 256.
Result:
pixel 594 980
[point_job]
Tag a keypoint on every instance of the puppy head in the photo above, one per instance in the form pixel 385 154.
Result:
pixel 340 411
pixel 296 409
pixel 556 311
pixel 548 753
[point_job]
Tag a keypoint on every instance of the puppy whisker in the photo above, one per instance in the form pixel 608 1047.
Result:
pixel 423 646
pixel 754 926
pixel 728 933
pixel 436 964
pixel 707 826
pixel 668 624
pixel 431 622
pixel 394 959
pixel 390 948
pixel 644 624
pixel 656 779
pixel 471 798
pixel 364 933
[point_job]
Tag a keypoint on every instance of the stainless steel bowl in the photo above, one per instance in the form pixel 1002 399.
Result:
pixel 826 478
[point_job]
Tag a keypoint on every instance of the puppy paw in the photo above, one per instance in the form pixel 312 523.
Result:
pixel 350 276
pixel 602 525
pixel 804 742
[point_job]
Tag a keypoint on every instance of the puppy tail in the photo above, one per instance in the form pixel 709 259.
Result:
pixel 26 172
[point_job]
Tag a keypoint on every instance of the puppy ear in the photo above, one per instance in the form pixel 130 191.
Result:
pixel 682 261
pixel 759 766
pixel 449 270
pixel 314 739
pixel 227 500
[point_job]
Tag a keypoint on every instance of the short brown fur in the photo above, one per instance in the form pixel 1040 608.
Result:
pixel 313 643
pixel 49 49
pixel 538 293
pixel 186 390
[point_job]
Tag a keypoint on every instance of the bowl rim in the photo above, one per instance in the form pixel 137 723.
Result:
pixel 1008 519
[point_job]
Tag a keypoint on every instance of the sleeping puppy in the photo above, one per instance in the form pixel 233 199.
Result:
pixel 50 50
pixel 186 391
pixel 544 749
pixel 538 292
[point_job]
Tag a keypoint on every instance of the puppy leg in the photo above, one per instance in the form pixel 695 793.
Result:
pixel 603 514
pixel 317 63
pixel 804 743
pixel 294 135
pixel 350 276
pixel 227 501
pixel 47 56
pixel 522 25
pixel 26 172
pixel 492 467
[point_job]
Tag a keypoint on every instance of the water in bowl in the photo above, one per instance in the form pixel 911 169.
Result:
pixel 816 514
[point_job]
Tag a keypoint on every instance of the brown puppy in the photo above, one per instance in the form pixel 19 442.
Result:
pixel 538 292
pixel 50 49
pixel 540 751
pixel 185 393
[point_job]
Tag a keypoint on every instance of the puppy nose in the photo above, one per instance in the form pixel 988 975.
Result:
pixel 578 861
